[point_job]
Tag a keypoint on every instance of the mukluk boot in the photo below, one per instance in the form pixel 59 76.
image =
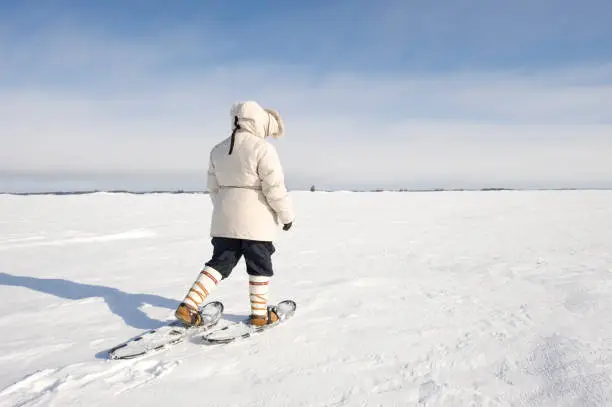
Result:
pixel 188 311
pixel 261 314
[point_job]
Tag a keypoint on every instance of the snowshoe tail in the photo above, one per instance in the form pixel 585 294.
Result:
pixel 244 329
pixel 167 335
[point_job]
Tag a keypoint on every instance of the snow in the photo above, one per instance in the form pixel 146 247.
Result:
pixel 416 298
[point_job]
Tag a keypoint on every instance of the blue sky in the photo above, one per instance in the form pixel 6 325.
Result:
pixel 428 94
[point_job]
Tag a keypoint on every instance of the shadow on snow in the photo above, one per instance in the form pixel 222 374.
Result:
pixel 125 305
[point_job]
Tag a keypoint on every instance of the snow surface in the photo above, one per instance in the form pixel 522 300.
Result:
pixel 441 298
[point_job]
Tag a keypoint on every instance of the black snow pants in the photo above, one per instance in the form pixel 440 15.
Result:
pixel 227 252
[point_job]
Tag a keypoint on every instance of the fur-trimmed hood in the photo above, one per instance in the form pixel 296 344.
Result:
pixel 254 119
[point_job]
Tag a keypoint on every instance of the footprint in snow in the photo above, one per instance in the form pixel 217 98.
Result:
pixel 75 384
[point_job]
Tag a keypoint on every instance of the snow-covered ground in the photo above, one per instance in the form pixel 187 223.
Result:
pixel 443 298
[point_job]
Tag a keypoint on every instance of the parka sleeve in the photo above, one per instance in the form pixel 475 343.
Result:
pixel 212 184
pixel 272 178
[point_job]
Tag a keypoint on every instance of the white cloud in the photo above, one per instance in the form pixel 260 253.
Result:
pixel 134 109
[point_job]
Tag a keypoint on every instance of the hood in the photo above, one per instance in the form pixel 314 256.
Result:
pixel 254 119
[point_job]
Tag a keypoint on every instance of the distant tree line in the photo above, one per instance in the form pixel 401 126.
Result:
pixel 312 189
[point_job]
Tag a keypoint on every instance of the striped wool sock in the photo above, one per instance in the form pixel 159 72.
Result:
pixel 258 292
pixel 202 287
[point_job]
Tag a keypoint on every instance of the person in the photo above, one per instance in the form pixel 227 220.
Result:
pixel 250 204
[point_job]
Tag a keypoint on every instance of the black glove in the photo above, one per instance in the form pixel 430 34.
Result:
pixel 287 226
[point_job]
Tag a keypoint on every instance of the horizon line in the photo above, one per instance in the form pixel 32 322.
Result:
pixel 356 190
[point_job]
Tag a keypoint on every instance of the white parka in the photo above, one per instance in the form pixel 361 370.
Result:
pixel 245 177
